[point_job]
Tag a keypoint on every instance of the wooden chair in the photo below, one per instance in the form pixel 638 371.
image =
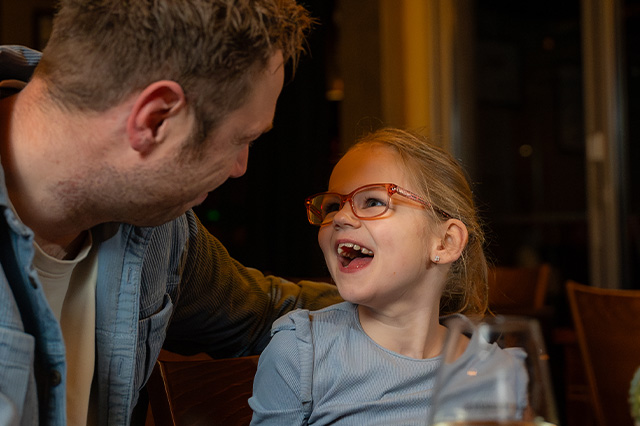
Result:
pixel 607 324
pixel 518 290
pixel 199 390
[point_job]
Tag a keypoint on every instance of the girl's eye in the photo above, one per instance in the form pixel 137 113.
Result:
pixel 330 208
pixel 373 202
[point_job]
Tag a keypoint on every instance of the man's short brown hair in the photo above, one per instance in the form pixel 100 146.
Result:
pixel 102 51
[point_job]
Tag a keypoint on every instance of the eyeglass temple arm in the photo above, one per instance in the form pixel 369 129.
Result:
pixel 414 197
pixel 396 189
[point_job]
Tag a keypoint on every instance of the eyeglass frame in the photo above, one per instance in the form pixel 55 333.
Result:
pixel 392 189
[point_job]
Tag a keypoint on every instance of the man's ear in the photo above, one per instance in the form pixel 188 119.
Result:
pixel 454 239
pixel 157 102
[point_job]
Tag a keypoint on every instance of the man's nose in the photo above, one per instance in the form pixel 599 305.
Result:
pixel 240 167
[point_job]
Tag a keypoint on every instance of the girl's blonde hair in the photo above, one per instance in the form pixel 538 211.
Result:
pixel 443 183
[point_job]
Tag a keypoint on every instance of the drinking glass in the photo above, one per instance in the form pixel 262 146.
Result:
pixel 495 373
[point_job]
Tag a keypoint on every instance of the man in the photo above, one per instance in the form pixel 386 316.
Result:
pixel 135 111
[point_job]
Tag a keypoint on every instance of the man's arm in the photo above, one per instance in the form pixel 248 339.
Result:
pixel 226 309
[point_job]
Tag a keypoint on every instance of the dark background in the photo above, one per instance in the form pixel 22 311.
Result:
pixel 529 169
pixel 528 174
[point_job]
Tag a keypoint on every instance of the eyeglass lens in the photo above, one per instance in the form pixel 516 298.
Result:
pixel 368 202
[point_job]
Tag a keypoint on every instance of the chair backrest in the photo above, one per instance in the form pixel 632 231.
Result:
pixel 518 289
pixel 199 390
pixel 607 324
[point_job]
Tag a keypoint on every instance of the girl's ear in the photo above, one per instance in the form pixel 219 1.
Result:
pixel 449 248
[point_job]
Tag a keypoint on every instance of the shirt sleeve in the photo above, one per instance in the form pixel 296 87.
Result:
pixel 282 385
pixel 226 309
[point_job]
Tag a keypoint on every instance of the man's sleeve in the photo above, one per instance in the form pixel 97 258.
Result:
pixel 226 309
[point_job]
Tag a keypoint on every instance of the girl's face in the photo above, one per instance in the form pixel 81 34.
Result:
pixel 385 261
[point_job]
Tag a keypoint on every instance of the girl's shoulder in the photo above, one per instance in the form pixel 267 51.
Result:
pixel 332 316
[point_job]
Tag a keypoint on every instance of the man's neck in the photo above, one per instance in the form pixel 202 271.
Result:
pixel 66 252
pixel 31 167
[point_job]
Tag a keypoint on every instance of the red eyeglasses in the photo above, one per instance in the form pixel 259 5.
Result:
pixel 367 202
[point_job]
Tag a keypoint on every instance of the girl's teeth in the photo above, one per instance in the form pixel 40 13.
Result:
pixel 363 250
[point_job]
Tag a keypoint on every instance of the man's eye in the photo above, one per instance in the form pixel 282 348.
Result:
pixel 246 140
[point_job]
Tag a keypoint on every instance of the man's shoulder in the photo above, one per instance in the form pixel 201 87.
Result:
pixel 20 55
pixel 17 62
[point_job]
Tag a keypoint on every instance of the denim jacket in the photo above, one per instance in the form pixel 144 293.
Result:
pixel 172 286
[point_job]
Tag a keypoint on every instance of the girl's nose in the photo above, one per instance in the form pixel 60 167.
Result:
pixel 346 217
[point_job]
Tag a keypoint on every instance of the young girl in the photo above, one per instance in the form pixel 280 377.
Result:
pixel 404 245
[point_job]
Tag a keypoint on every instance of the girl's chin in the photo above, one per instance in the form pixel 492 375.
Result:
pixel 353 295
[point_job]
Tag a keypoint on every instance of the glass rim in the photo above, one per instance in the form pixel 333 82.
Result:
pixel 391 189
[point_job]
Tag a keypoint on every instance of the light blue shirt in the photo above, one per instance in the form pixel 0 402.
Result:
pixel 321 368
